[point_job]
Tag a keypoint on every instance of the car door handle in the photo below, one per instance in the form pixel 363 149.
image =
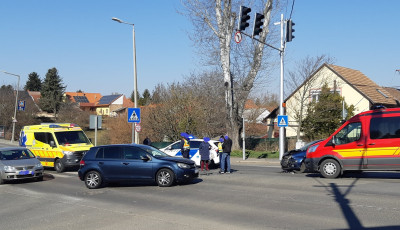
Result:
pixel 371 144
pixel 101 163
pixel 360 145
pixel 125 163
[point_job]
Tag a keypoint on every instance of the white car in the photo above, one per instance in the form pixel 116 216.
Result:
pixel 174 149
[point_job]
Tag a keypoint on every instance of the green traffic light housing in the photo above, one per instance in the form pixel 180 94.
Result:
pixel 289 30
pixel 258 23
pixel 243 18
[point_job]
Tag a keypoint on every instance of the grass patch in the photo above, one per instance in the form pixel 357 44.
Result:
pixel 255 154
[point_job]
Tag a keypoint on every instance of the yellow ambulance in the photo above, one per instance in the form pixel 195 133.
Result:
pixel 58 145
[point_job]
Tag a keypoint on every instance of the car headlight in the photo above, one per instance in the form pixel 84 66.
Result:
pixel 9 168
pixel 312 149
pixel 183 166
pixel 39 165
pixel 68 152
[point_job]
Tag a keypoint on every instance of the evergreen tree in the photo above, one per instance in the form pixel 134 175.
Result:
pixel 325 115
pixel 34 83
pixel 52 92
pixel 145 100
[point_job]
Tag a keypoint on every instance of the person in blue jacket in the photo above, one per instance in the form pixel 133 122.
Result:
pixel 204 151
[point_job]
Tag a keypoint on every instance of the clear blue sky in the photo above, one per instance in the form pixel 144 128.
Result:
pixel 94 54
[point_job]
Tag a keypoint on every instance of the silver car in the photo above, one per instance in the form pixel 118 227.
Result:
pixel 19 163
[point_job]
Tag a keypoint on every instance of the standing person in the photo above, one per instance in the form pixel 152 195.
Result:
pixel 226 155
pixel 221 140
pixel 204 150
pixel 147 141
pixel 185 145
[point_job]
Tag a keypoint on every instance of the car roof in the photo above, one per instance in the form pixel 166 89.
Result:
pixel 12 148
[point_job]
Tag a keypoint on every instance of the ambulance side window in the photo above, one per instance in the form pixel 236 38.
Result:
pixel 44 137
pixel 384 128
pixel 350 133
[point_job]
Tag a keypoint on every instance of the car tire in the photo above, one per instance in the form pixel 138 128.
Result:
pixel 302 168
pixel 59 166
pixel 330 168
pixel 93 180
pixel 165 178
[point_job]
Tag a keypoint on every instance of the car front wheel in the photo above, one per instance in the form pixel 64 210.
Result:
pixel 93 180
pixel 59 166
pixel 330 168
pixel 165 178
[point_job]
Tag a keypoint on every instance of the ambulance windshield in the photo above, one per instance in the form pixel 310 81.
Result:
pixel 71 137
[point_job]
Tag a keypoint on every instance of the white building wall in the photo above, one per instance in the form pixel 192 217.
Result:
pixel 325 75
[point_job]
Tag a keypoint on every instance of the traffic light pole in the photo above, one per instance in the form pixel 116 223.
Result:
pixel 281 109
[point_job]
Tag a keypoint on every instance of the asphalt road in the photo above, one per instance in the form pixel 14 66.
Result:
pixel 257 195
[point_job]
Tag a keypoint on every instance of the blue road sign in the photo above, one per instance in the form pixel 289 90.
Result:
pixel 21 105
pixel 282 120
pixel 134 115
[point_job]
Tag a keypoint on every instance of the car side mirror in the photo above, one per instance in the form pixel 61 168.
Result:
pixel 331 142
pixel 144 158
pixel 52 144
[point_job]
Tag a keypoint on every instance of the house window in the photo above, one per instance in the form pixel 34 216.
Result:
pixel 314 94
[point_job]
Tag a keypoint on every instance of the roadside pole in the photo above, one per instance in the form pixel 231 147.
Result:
pixel 281 112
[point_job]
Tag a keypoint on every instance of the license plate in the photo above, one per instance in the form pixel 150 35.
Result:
pixel 196 171
pixel 26 172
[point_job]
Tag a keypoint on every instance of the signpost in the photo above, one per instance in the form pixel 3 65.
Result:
pixel 21 105
pixel 134 117
pixel 238 37
pixel 282 121
pixel 138 127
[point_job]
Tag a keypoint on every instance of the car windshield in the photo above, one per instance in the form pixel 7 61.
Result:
pixel 19 154
pixel 154 152
pixel 72 137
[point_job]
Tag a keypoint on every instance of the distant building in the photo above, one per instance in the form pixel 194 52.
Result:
pixel 356 89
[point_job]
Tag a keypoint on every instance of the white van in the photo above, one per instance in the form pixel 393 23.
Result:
pixel 174 149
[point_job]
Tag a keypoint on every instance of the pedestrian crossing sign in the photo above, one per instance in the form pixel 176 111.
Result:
pixel 134 115
pixel 282 120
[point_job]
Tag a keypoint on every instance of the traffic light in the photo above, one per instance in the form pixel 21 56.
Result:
pixel 258 22
pixel 243 18
pixel 289 30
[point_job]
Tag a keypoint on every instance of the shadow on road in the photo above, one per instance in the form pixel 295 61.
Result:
pixel 344 203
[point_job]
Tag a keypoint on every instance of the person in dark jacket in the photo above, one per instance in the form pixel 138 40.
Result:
pixel 226 155
pixel 147 141
pixel 204 151
pixel 185 145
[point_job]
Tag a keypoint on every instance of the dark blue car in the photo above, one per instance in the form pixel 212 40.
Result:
pixel 131 162
pixel 294 159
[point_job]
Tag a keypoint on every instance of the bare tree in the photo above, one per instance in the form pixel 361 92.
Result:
pixel 301 76
pixel 214 23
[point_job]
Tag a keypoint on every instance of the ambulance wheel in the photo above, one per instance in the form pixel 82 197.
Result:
pixel 330 168
pixel 165 178
pixel 59 166
pixel 93 180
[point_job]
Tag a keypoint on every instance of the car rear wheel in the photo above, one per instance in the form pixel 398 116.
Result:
pixel 93 180
pixel 59 166
pixel 330 168
pixel 165 178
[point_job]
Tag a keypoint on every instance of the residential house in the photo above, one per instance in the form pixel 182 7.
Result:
pixel 356 89
pixel 110 105
pixel 253 115
pixel 86 101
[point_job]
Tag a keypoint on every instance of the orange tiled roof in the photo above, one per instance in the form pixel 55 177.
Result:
pixel 373 92
pixel 92 97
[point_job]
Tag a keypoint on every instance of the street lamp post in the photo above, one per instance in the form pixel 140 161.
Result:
pixel 135 135
pixel 14 120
